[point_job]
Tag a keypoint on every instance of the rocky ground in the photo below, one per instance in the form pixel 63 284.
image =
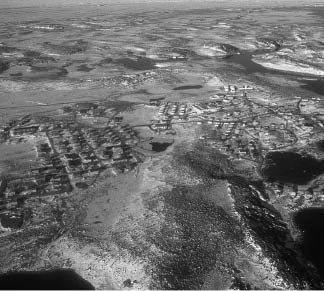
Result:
pixel 182 220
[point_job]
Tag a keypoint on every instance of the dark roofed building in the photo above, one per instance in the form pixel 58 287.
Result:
pixel 24 130
pixel 86 106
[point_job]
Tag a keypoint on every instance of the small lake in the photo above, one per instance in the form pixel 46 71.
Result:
pixel 61 279
pixel 188 87
pixel 289 167
pixel 81 185
pixel 245 60
pixel 316 86
pixel 11 221
pixel 84 68
pixel 138 64
pixel 320 145
pixel 311 222
pixel 159 146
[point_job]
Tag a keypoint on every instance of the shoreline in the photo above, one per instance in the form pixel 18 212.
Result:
pixel 291 68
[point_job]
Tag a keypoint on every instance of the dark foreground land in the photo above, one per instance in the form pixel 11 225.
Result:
pixel 44 280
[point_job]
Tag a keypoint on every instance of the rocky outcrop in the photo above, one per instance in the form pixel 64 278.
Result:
pixel 262 226
pixel 272 234
pixel 275 44
pixel 212 49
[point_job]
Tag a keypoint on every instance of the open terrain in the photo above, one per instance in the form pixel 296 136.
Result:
pixel 163 146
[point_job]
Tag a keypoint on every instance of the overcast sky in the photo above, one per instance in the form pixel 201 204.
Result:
pixel 24 3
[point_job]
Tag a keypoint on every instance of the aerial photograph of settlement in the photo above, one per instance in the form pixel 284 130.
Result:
pixel 162 144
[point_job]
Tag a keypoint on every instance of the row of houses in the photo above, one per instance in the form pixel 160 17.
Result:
pixel 24 130
pixel 172 109
pixel 49 178
pixel 4 133
pixel 74 150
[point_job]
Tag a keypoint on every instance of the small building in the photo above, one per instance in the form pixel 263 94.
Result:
pixel 198 108
pixel 24 130
pixel 161 126
pixel 156 101
pixel 117 119
pixel 86 106
pixel 3 129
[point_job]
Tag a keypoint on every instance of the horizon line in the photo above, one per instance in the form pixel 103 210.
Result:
pixel 20 4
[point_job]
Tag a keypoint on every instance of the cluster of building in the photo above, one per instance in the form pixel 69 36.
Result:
pixel 228 138
pixel 234 105
pixel 68 155
pixel 309 101
pixel 113 145
pixel 71 153
pixel 230 89
pixel 17 127
pixel 4 133
pixel 297 192
pixel 312 108
pixel 49 27
pixel 168 111
pixel 173 110
pixel 230 105
pixel 234 115
pixel 302 118
pixel 85 150
pixel 131 80
pixel 24 130
pixel 48 178
pixel 69 143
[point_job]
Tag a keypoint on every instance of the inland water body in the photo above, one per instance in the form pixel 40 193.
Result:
pixel 245 60
pixel 311 222
pixel 289 167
